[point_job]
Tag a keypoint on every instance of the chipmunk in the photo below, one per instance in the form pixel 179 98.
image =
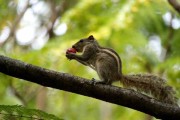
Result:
pixel 107 63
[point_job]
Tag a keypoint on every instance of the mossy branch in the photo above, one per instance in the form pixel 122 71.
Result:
pixel 63 81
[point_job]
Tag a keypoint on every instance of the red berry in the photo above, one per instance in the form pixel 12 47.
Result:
pixel 71 50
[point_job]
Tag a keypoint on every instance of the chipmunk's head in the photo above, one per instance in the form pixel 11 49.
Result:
pixel 79 46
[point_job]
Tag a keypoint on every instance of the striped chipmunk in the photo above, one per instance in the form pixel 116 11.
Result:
pixel 107 63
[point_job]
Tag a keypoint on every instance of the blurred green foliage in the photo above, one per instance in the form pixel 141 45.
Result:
pixel 127 26
pixel 17 112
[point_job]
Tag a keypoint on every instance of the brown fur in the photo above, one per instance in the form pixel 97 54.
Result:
pixel 150 84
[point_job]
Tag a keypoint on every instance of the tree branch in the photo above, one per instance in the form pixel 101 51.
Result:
pixel 63 81
pixel 175 5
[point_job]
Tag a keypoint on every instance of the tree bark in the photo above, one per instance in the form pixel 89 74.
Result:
pixel 63 81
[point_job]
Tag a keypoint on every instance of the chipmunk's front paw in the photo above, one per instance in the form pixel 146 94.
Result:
pixel 70 56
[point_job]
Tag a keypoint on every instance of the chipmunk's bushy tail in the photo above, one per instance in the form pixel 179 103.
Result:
pixel 154 85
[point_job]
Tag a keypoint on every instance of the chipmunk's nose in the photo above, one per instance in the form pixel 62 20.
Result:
pixel 73 46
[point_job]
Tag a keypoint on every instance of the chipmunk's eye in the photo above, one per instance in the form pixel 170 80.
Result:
pixel 81 41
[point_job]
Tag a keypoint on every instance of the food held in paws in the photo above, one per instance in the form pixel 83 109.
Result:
pixel 71 50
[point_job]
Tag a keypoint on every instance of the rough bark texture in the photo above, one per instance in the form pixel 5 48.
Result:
pixel 70 83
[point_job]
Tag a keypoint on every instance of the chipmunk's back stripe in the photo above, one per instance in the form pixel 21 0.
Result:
pixel 115 55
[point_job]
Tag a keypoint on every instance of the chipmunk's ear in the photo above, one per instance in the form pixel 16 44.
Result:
pixel 91 37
